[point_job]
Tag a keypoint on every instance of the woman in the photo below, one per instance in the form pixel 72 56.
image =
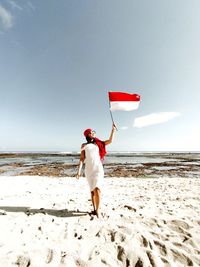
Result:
pixel 92 153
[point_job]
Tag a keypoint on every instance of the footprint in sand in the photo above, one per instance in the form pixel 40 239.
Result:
pixel 130 208
pixel 120 237
pixel 112 235
pixel 182 224
pixel 151 259
pixel 121 256
pixel 188 240
pixel 165 262
pixel 161 247
pixel 183 247
pixel 63 255
pixel 173 225
pixel 139 263
pixel 116 236
pixel 181 257
pixel 144 241
pixel 49 256
pixel 120 253
pixel 23 261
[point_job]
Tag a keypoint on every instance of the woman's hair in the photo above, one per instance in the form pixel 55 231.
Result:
pixel 90 140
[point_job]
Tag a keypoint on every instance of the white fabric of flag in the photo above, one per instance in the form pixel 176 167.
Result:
pixel 123 101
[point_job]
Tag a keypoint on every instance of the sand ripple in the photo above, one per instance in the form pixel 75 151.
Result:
pixel 144 222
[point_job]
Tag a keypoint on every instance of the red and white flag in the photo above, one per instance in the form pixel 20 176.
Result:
pixel 123 101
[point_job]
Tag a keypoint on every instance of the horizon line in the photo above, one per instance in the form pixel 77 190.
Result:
pixel 110 151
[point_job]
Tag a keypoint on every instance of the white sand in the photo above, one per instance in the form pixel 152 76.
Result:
pixel 145 222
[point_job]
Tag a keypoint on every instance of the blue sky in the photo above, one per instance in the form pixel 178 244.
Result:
pixel 58 60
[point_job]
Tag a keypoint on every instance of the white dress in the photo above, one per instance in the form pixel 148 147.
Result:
pixel 93 166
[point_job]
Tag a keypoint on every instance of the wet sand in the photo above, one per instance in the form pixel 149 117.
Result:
pixel 58 165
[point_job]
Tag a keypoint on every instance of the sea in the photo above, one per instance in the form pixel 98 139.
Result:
pixel 124 163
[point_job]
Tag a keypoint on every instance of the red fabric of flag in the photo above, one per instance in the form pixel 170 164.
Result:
pixel 123 101
pixel 120 96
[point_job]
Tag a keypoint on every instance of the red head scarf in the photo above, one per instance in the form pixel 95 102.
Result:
pixel 87 131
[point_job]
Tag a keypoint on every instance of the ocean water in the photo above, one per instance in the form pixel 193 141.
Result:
pixel 17 163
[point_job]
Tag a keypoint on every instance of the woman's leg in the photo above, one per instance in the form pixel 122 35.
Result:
pixel 97 200
pixel 92 197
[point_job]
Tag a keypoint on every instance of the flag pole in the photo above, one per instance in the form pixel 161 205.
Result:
pixel 111 116
pixel 111 113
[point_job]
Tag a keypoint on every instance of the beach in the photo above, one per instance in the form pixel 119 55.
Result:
pixel 45 221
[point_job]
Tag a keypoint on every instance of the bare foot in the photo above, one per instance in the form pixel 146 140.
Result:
pixel 97 213
pixel 92 212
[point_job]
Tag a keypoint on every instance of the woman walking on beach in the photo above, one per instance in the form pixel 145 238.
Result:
pixel 92 153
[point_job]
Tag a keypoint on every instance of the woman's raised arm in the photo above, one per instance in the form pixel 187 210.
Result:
pixel 109 141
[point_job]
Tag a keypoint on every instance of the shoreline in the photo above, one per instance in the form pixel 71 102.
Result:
pixel 118 165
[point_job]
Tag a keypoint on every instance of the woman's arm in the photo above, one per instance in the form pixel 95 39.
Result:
pixel 82 159
pixel 109 141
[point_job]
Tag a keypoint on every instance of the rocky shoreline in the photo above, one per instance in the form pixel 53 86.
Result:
pixel 173 165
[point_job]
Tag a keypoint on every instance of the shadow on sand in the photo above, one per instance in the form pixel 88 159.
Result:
pixel 58 213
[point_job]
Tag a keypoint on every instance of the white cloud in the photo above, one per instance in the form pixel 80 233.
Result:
pixel 6 19
pixel 154 118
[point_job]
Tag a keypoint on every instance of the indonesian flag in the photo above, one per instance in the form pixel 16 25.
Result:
pixel 123 101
